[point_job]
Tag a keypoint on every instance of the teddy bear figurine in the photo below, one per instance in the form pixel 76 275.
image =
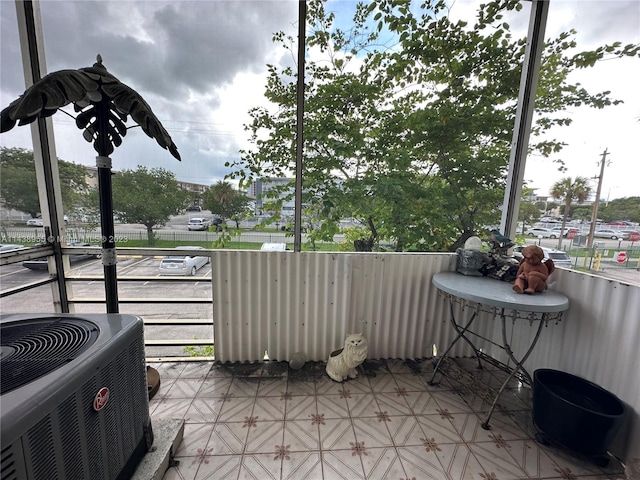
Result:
pixel 533 272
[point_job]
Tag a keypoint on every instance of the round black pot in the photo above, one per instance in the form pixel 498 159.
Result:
pixel 574 413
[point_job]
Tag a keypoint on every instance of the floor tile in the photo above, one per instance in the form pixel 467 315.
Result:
pixel 269 408
pixel 342 465
pixel 203 410
pixel 469 425
pixel 244 387
pixel 372 432
pixel 228 438
pixel 393 404
pixel 405 431
pixel 214 387
pixel 195 439
pixel 299 407
pixel 459 463
pixel 438 429
pixel 420 463
pixel 333 406
pixel 196 369
pixel 302 466
pixel 184 388
pixel 361 405
pixel 383 383
pixel 382 464
pixel 171 408
pixel 264 437
pixel 219 467
pixel 410 382
pixel 272 387
pixel 302 435
pixel 336 434
pixel 495 458
pixel 532 459
pixel 236 409
pixel 263 466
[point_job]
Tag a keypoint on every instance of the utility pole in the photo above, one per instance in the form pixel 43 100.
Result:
pixel 594 214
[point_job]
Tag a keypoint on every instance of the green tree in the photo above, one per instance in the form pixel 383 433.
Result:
pixel 18 186
pixel 225 200
pixel 528 214
pixel 621 209
pixel 413 138
pixel 148 197
pixel 569 189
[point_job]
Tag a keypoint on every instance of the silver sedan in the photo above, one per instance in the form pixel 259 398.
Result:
pixel 183 264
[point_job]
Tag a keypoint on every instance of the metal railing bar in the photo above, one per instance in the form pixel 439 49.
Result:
pixel 28 286
pixel 143 300
pixel 179 321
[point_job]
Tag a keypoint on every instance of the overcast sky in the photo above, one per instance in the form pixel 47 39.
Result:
pixel 201 65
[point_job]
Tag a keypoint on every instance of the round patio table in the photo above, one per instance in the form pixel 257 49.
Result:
pixel 498 298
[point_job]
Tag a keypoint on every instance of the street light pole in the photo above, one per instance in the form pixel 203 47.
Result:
pixel 594 214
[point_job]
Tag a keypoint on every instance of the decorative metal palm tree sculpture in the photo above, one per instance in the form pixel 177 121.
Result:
pixel 104 105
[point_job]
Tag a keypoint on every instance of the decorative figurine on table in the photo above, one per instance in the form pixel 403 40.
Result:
pixel 342 363
pixel 533 272
pixel 499 243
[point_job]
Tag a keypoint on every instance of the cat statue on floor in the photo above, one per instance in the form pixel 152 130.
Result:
pixel 342 363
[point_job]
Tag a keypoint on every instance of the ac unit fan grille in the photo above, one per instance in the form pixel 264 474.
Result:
pixel 30 350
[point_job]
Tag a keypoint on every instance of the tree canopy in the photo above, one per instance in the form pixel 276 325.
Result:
pixel 224 200
pixel 18 186
pixel 412 138
pixel 147 196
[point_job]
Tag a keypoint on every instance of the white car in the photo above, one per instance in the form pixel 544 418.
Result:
pixel 183 264
pixel 542 232
pixel 37 222
pixel 198 223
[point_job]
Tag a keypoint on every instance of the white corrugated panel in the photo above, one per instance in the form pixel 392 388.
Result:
pixel 285 302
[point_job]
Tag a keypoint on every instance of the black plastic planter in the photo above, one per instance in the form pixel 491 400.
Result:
pixel 574 413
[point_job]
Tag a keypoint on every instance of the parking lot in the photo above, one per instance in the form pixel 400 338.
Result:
pixel 40 300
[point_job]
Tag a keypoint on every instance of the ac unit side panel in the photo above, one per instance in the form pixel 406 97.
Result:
pixel 70 439
pixel 45 393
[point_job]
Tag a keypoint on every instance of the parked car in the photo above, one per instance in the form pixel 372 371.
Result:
pixel 559 257
pixel 273 247
pixel 42 262
pixel 10 247
pixel 183 264
pixel 544 232
pixel 565 234
pixel 194 208
pixel 198 223
pixel 610 233
pixel 37 222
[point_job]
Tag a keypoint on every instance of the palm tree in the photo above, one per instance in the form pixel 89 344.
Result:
pixel 569 190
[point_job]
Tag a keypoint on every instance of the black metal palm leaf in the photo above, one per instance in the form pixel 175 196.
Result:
pixel 104 105
pixel 103 101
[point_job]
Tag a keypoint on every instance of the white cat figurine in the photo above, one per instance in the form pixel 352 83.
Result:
pixel 342 363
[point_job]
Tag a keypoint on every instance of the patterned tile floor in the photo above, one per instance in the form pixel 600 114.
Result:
pixel 264 421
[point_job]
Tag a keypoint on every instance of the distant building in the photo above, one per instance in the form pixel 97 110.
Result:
pixel 261 187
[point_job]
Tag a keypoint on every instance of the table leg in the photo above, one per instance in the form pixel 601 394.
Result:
pixel 461 332
pixel 518 365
